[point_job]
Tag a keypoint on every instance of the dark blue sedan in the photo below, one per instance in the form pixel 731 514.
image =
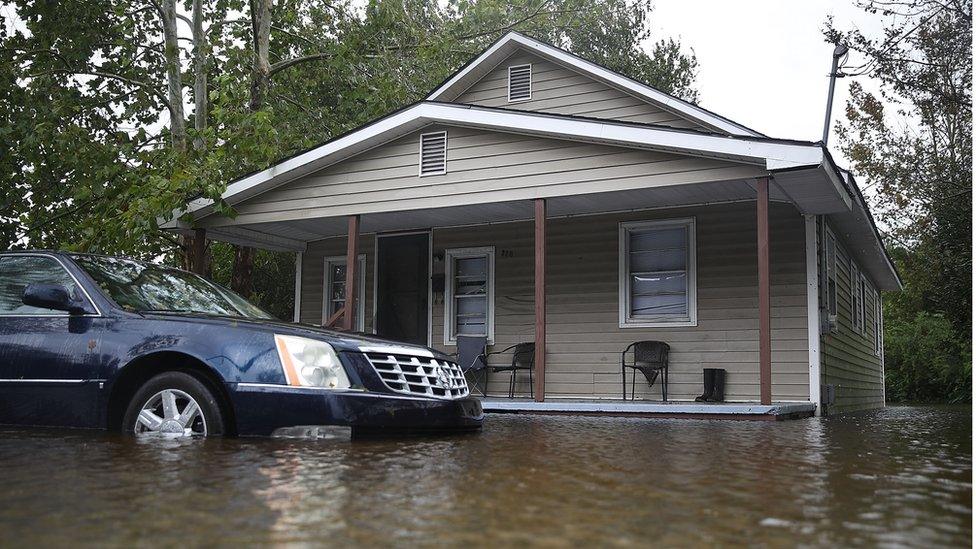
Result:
pixel 104 342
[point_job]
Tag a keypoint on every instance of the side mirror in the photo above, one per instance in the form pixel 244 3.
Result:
pixel 52 296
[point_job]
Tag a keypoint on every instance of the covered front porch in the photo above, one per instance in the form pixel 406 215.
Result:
pixel 556 273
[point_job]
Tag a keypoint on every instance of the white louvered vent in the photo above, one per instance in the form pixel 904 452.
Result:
pixel 520 82
pixel 433 153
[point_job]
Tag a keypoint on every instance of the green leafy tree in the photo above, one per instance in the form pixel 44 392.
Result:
pixel 912 143
pixel 121 112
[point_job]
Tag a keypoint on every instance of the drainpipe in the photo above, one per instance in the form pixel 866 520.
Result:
pixel 839 51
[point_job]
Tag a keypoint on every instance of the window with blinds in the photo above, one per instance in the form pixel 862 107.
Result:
pixel 433 153
pixel 469 293
pixel 657 273
pixel 519 82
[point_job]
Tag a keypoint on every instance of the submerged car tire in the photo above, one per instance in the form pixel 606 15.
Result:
pixel 173 404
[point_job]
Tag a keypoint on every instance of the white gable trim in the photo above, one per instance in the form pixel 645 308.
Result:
pixel 495 54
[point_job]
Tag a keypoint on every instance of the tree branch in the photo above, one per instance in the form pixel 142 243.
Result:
pixel 101 74
pixel 282 65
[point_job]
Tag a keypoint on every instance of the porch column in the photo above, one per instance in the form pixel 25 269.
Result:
pixel 352 277
pixel 540 299
pixel 765 354
pixel 200 251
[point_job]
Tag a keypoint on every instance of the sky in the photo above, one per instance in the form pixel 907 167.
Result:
pixel 764 63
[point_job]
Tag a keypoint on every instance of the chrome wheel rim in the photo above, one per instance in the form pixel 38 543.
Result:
pixel 171 412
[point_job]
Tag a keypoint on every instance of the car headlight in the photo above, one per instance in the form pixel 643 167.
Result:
pixel 310 363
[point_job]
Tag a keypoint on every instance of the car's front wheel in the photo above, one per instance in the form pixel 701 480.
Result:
pixel 173 404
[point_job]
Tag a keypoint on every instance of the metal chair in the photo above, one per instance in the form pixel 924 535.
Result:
pixel 523 358
pixel 472 358
pixel 651 359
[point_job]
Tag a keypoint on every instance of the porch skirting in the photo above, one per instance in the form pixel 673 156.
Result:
pixel 677 410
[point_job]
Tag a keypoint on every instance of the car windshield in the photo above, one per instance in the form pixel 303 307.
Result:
pixel 146 287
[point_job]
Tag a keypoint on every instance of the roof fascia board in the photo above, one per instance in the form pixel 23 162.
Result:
pixel 879 242
pixel 775 155
pixel 642 91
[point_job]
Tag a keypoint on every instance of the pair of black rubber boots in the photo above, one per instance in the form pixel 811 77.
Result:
pixel 714 385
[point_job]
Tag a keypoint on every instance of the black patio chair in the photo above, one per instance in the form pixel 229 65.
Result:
pixel 523 358
pixel 472 357
pixel 651 359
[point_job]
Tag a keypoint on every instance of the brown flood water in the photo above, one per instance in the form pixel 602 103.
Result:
pixel 897 477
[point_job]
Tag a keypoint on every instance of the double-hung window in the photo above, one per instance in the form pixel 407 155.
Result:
pixel 335 289
pixel 878 325
pixel 830 253
pixel 857 298
pixel 469 294
pixel 657 283
pixel 862 288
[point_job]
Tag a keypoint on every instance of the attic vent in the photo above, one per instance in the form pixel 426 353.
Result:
pixel 519 82
pixel 433 153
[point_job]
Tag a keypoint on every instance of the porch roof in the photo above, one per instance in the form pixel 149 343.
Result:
pixel 803 174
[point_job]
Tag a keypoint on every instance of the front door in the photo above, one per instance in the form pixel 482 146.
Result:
pixel 402 282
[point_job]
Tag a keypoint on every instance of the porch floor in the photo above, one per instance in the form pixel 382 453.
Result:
pixel 646 408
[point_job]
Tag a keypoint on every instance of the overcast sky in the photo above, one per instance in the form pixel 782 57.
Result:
pixel 764 63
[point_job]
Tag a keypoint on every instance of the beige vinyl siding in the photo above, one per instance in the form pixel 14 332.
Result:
pixel 313 276
pixel 584 338
pixel 849 362
pixel 482 167
pixel 559 90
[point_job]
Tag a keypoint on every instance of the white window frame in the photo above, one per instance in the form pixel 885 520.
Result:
pixel 862 290
pixel 857 305
pixel 878 325
pixel 360 288
pixel 512 67
pixel 830 266
pixel 420 154
pixel 460 253
pixel 623 270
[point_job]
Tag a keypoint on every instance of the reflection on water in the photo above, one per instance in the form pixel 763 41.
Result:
pixel 898 476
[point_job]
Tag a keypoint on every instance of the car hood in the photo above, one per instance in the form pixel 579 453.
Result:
pixel 341 341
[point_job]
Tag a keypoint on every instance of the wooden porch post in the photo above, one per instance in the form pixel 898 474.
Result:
pixel 352 277
pixel 540 299
pixel 765 351
pixel 200 251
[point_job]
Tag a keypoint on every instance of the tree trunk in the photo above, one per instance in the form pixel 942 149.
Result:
pixel 174 77
pixel 241 280
pixel 189 262
pixel 261 32
pixel 201 49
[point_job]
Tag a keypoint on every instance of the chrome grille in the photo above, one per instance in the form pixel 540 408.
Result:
pixel 421 376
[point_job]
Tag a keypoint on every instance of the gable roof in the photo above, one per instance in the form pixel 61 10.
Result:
pixel 484 63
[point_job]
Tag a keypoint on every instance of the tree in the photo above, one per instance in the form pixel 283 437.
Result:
pixel 97 138
pixel 917 163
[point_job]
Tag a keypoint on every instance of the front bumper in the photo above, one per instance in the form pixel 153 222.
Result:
pixel 260 409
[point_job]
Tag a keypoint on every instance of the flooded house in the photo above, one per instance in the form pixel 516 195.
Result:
pixel 537 197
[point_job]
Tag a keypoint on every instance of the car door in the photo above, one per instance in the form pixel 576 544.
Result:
pixel 48 370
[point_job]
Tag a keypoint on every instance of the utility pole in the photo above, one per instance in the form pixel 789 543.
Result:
pixel 839 51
